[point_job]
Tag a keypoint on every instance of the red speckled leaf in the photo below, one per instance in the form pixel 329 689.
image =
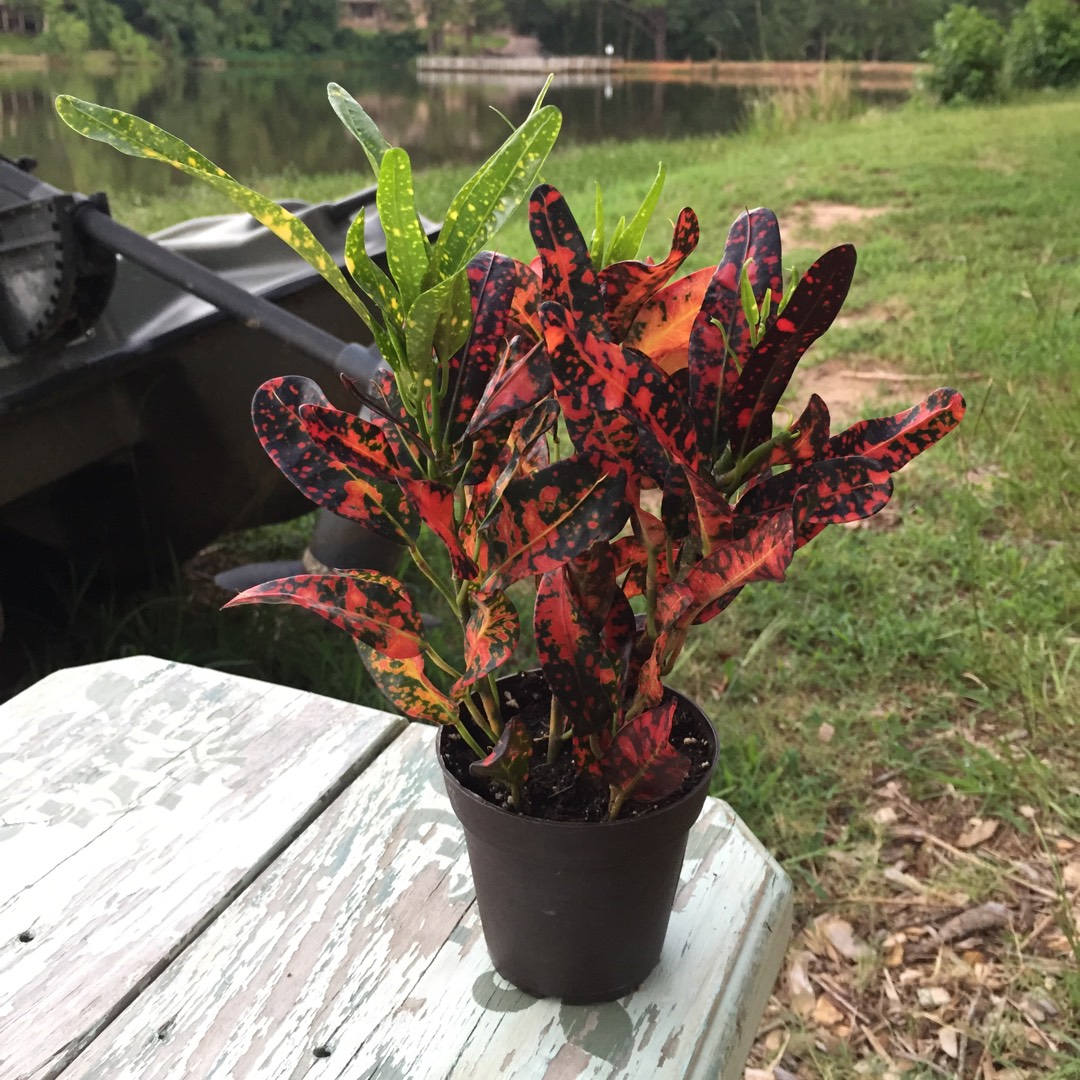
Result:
pixel 662 326
pixel 568 275
pixel 721 338
pixel 751 395
pixel 522 378
pixel 356 443
pixel 485 450
pixel 326 481
pixel 831 483
pixel 593 377
pixel 626 286
pixel 523 452
pixel 374 608
pixel 597 593
pixel 434 503
pixel 394 422
pixel 491 636
pixel 628 552
pixel 511 758
pixel 494 281
pixel 641 763
pixel 832 492
pixel 677 505
pixel 404 684
pixel 579 670
pixel 763 554
pixel 895 440
pixel 650 534
pixel 812 440
pixel 712 517
pixel 551 516
pixel 591 575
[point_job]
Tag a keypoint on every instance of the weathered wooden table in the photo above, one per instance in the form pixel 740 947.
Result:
pixel 206 876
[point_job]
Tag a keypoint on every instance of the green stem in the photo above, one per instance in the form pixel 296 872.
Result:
pixel 441 663
pixel 445 591
pixel 478 719
pixel 732 480
pixel 464 732
pixel 491 708
pixel 650 592
pixel 556 727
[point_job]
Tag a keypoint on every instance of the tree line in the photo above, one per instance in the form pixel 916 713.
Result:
pixel 741 29
pixel 636 29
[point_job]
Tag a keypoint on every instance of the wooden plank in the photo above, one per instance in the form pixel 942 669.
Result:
pixel 359 954
pixel 137 798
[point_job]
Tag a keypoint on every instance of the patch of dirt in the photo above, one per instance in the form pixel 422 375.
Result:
pixel 849 386
pixel 890 311
pixel 945 948
pixel 807 225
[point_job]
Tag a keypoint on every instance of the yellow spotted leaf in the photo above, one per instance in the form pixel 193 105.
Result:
pixel 139 138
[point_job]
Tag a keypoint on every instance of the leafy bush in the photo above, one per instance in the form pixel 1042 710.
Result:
pixel 386 47
pixel 68 35
pixel 130 46
pixel 966 56
pixel 1043 46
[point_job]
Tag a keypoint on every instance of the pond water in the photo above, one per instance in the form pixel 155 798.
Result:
pixel 253 121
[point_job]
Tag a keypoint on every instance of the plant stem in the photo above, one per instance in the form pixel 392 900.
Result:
pixel 479 719
pixel 732 480
pixel 445 591
pixel 650 592
pixel 556 726
pixel 491 708
pixel 464 732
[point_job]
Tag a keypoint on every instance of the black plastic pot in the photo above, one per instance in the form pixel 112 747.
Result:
pixel 576 911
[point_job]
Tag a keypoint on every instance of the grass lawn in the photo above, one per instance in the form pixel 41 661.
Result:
pixel 899 720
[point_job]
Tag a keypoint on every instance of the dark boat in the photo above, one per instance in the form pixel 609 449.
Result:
pixel 127 370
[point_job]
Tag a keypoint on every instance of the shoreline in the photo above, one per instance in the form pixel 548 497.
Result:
pixel 868 75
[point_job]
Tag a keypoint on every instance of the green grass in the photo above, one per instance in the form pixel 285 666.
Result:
pixel 944 651
pixel 964 617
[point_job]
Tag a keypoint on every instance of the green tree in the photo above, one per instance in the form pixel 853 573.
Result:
pixel 966 56
pixel 1043 46
pixel 475 17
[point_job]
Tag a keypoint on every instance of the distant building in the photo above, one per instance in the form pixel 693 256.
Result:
pixel 20 20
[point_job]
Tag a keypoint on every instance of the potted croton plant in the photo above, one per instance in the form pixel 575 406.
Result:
pixel 593 425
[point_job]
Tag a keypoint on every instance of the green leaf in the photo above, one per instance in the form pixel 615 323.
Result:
pixel 353 116
pixel 139 138
pixel 422 325
pixel 596 245
pixel 368 274
pixel 749 301
pixel 628 243
pixel 455 326
pixel 616 238
pixel 406 249
pixel 492 194
pixel 538 103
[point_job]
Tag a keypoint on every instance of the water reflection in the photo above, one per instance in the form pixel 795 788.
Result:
pixel 258 121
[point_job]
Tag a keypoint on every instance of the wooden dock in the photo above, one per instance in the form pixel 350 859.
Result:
pixel 868 75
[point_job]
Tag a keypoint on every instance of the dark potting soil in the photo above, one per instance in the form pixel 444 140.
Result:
pixel 558 792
